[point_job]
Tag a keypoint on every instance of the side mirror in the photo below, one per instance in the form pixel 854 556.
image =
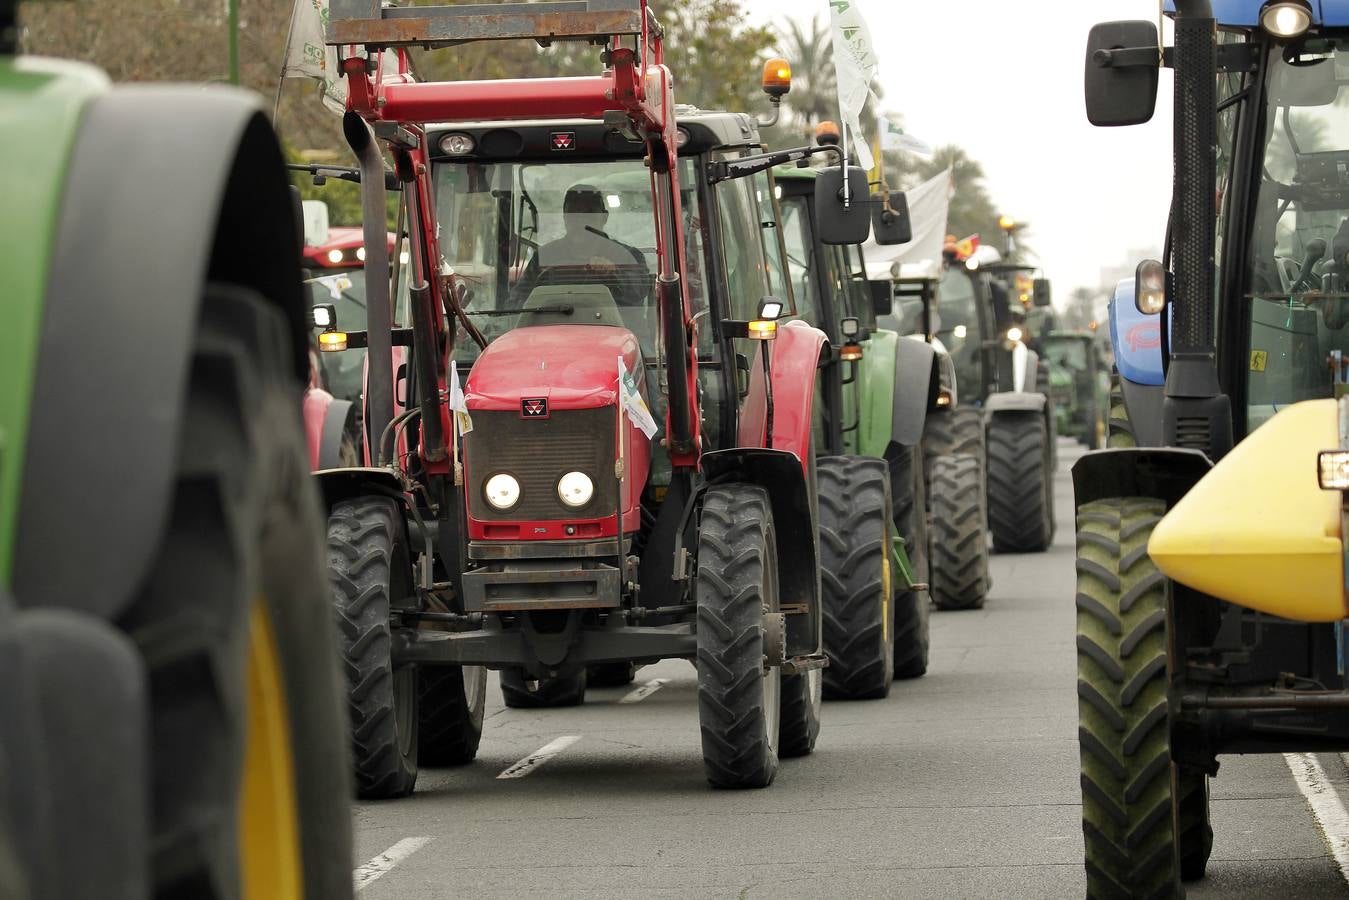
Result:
pixel 839 224
pixel 1121 75
pixel 892 226
pixel 1041 292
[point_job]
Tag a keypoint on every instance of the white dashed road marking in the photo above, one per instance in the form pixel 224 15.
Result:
pixel 644 691
pixel 380 865
pixel 1326 805
pixel 540 756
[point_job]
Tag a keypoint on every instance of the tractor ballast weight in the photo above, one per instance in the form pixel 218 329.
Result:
pixel 554 536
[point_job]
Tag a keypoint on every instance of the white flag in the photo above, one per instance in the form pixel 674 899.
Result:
pixel 632 401
pixel 893 137
pixel 463 422
pixel 855 66
pixel 308 57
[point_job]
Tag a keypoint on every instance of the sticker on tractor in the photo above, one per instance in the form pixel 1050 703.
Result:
pixel 1259 359
pixel 564 140
pixel 534 408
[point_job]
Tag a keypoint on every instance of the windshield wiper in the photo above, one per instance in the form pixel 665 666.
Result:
pixel 564 310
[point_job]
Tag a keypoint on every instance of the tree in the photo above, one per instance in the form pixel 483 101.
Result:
pixel 814 94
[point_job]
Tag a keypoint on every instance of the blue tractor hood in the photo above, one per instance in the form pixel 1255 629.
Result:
pixel 1246 13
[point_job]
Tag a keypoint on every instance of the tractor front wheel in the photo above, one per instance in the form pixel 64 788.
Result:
pixel 738 696
pixel 1129 812
pixel 369 569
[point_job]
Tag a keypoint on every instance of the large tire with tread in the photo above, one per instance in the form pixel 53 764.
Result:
pixel 855 574
pixel 1020 485
pixel 954 432
pixel 1128 808
pixel 799 713
pixel 1120 435
pixel 552 693
pixel 958 545
pixel 242 541
pixel 619 674
pixel 738 698
pixel 911 619
pixel 450 710
pixel 369 571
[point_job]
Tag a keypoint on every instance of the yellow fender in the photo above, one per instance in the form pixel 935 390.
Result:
pixel 1257 530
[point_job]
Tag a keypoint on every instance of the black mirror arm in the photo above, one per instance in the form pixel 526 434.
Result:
pixel 729 169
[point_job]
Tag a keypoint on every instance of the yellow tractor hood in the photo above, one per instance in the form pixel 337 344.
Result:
pixel 1257 530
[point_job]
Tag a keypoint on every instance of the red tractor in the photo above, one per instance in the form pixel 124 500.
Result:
pixel 627 474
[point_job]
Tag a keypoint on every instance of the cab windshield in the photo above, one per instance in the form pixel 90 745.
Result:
pixel 552 243
pixel 1069 353
pixel 1299 255
pixel 345 290
pixel 957 325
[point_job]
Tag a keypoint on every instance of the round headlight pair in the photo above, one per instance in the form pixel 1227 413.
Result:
pixel 574 489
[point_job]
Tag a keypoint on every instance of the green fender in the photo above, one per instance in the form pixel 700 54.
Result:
pixel 870 401
pixel 42 102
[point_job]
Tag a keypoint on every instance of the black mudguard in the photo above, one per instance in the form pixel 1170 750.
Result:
pixel 794 521
pixel 1166 473
pixel 1143 403
pixel 168 188
pixel 335 421
pixel 917 383
pixel 336 485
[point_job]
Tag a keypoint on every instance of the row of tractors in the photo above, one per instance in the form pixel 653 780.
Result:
pixel 614 390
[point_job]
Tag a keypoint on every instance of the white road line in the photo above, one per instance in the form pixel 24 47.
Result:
pixel 540 756
pixel 1327 808
pixel 379 866
pixel 644 691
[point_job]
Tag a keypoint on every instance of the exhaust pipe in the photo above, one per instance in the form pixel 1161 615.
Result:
pixel 1196 413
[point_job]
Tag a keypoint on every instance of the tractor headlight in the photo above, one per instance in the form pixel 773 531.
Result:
pixel 1332 470
pixel 1014 334
pixel 1286 19
pixel 575 489
pixel 502 490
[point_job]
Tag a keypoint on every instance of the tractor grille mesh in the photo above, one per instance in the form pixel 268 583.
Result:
pixel 538 452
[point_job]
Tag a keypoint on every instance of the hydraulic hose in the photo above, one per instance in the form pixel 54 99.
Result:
pixel 378 313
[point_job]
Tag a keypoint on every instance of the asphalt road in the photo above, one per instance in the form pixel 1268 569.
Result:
pixel 961 784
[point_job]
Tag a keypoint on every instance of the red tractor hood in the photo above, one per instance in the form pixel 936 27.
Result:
pixel 573 366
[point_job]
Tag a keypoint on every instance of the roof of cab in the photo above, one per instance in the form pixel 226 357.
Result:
pixel 1246 13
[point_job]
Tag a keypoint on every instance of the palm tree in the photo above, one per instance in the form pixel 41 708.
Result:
pixel 814 95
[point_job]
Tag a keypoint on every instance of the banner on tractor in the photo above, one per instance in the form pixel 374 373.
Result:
pixel 855 67
pixel 633 404
pixel 306 56
pixel 892 137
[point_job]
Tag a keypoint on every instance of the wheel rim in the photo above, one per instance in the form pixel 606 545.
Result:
pixel 270 860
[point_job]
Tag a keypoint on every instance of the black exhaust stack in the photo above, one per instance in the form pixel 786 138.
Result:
pixel 1196 413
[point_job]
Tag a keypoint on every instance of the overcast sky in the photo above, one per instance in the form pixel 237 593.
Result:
pixel 1003 79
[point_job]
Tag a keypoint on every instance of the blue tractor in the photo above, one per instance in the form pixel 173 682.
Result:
pixel 1178 661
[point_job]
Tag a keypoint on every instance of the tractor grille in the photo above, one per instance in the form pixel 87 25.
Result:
pixel 538 452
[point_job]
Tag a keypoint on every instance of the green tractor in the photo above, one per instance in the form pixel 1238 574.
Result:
pixel 876 389
pixel 1079 385
pixel 171 723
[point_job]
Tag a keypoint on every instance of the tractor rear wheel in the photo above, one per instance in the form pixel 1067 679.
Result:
pixel 958 543
pixel 1129 812
pixel 912 612
pixel 1120 434
pixel 738 696
pixel 855 573
pixel 618 674
pixel 550 693
pixel 1020 486
pixel 369 570
pixel 450 709
pixel 799 713
pixel 249 780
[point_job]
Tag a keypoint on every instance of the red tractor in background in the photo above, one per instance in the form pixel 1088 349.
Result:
pixel 546 520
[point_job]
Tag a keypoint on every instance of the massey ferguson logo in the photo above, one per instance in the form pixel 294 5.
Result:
pixel 564 140
pixel 534 408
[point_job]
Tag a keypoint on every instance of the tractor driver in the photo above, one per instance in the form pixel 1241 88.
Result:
pixel 585 254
